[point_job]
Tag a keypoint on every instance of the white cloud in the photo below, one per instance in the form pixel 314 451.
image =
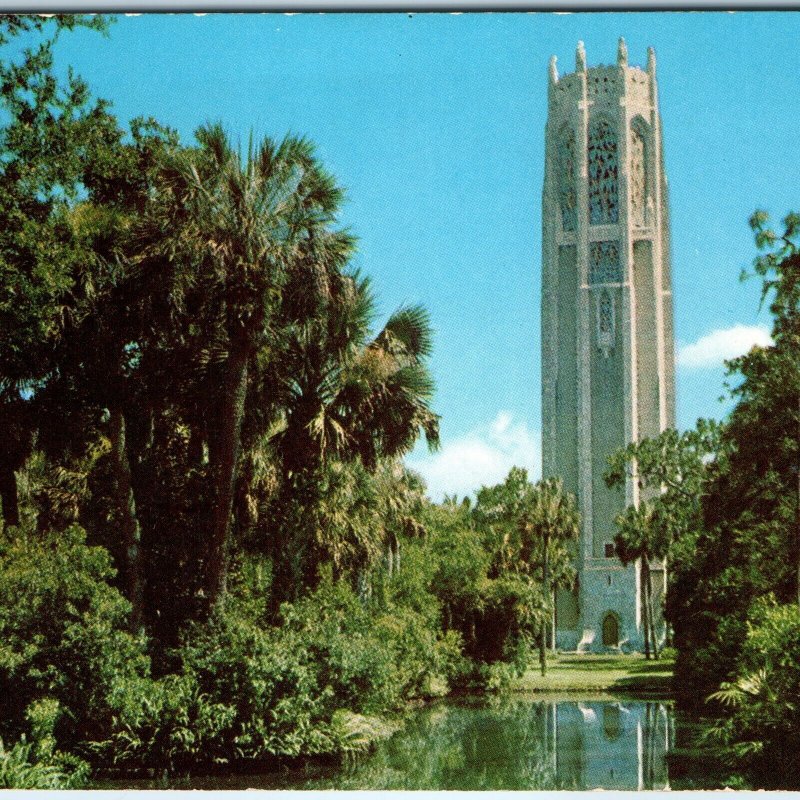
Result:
pixel 715 347
pixel 482 457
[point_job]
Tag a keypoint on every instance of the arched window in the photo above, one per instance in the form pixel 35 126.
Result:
pixel 606 313
pixel 566 179
pixel 638 173
pixel 605 322
pixel 610 630
pixel 604 266
pixel 603 173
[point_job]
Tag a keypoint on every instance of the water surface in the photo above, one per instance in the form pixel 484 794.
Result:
pixel 513 743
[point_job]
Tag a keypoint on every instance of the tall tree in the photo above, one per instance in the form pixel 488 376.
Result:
pixel 528 528
pixel 230 226
pixel 46 138
pixel 351 396
pixel 550 516
pixel 670 471
pixel 779 267
pixel 640 540
pixel 747 544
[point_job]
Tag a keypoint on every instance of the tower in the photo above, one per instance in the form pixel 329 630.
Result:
pixel 607 331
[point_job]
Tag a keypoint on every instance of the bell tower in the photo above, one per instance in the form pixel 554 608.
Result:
pixel 607 330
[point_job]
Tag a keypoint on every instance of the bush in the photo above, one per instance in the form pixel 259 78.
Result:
pixel 62 634
pixel 243 692
pixel 371 659
pixel 761 729
pixel 36 764
pixel 315 685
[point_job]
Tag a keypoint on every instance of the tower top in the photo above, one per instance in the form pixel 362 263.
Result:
pixel 580 58
pixel 622 61
pixel 622 53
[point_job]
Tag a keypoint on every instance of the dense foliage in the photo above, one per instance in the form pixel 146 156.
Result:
pixel 761 727
pixel 722 503
pixel 747 545
pixel 210 550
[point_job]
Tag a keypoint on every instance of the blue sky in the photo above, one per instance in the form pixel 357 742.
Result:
pixel 434 123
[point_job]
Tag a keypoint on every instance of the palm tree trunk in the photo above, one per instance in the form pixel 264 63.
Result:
pixel 546 592
pixel 645 609
pixel 397 554
pixel 224 446
pixel 129 522
pixel 195 447
pixel 650 616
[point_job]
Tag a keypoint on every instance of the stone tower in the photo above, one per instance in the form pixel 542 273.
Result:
pixel 607 331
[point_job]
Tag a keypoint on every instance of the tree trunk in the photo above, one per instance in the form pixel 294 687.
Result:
pixel 129 522
pixel 195 447
pixel 653 628
pixel 650 615
pixel 645 609
pixel 8 495
pixel 546 588
pixel 224 457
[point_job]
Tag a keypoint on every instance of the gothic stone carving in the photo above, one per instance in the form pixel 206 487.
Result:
pixel 603 171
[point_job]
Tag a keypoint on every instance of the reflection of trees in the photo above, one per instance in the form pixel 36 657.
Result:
pixel 516 743
pixel 655 724
pixel 695 760
pixel 502 746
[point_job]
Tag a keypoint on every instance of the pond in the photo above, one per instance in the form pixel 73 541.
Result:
pixel 512 743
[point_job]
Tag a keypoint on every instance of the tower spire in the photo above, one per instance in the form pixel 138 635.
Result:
pixel 580 58
pixel 651 62
pixel 622 53
pixel 553 70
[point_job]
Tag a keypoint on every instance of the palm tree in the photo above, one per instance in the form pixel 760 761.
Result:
pixel 639 539
pixel 350 397
pixel 549 519
pixel 230 228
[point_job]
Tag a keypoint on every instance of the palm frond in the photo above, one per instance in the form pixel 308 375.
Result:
pixel 409 327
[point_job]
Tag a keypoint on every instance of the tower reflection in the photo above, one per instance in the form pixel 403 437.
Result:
pixel 610 744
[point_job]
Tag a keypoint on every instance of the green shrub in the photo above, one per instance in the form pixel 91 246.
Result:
pixel 244 692
pixel 36 764
pixel 764 698
pixel 316 684
pixel 372 659
pixel 62 634
pixel 166 723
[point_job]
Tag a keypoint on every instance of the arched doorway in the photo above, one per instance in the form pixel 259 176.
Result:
pixel 610 630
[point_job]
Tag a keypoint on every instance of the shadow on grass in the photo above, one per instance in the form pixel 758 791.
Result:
pixel 645 667
pixel 595 663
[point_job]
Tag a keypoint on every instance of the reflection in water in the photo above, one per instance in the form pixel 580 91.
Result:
pixel 521 744
pixel 518 743
pixel 611 745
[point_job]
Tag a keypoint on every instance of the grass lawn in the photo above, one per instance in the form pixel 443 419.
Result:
pixel 582 672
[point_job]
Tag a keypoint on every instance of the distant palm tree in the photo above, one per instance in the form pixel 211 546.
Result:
pixel 638 539
pixel 548 520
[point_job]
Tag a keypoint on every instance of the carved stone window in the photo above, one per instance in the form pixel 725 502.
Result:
pixel 603 173
pixel 638 174
pixel 604 266
pixel 566 179
pixel 605 323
